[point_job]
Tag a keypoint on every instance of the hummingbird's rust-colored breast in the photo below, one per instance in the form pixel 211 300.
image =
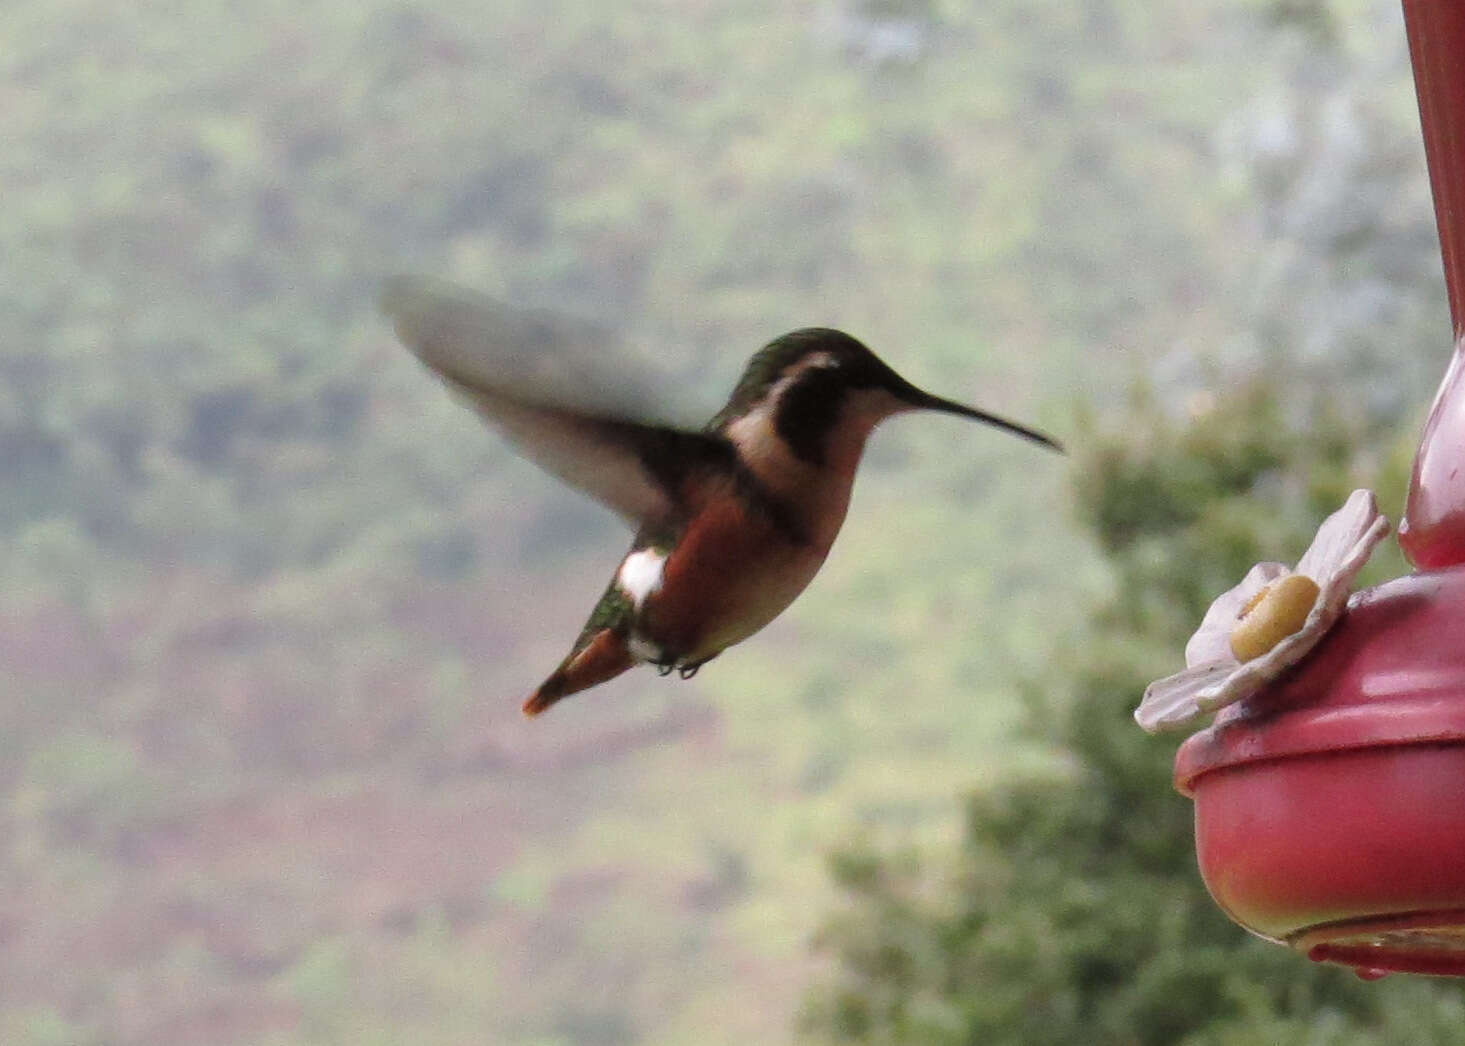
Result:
pixel 733 571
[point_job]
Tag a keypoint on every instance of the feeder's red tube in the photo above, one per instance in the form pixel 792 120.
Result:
pixel 1432 532
pixel 1436 31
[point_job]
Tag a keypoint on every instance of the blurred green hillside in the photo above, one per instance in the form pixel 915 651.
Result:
pixel 269 599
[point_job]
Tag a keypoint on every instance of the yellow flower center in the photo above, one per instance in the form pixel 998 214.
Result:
pixel 1272 615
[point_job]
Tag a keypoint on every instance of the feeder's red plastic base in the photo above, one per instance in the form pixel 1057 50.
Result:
pixel 1428 942
pixel 1330 809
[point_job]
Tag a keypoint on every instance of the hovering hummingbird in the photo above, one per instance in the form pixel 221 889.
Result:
pixel 731 522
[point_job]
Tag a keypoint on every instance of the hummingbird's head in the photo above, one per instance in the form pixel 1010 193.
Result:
pixel 812 386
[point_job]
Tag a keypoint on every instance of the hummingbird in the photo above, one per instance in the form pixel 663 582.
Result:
pixel 731 522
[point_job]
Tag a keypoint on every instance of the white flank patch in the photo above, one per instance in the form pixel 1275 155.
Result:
pixel 643 649
pixel 640 575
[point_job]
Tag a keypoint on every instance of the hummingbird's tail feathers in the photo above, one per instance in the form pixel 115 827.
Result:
pixel 603 658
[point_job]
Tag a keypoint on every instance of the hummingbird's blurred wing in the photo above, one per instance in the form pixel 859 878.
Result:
pixel 540 379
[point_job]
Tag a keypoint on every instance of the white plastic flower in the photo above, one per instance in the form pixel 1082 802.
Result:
pixel 1268 622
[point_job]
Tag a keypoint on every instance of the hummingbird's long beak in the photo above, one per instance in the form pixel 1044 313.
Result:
pixel 919 399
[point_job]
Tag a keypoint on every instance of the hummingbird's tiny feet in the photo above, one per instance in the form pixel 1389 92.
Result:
pixel 664 669
pixel 688 671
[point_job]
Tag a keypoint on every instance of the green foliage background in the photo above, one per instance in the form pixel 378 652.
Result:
pixel 269 599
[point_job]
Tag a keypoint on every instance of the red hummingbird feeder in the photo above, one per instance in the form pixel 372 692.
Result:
pixel 1330 806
